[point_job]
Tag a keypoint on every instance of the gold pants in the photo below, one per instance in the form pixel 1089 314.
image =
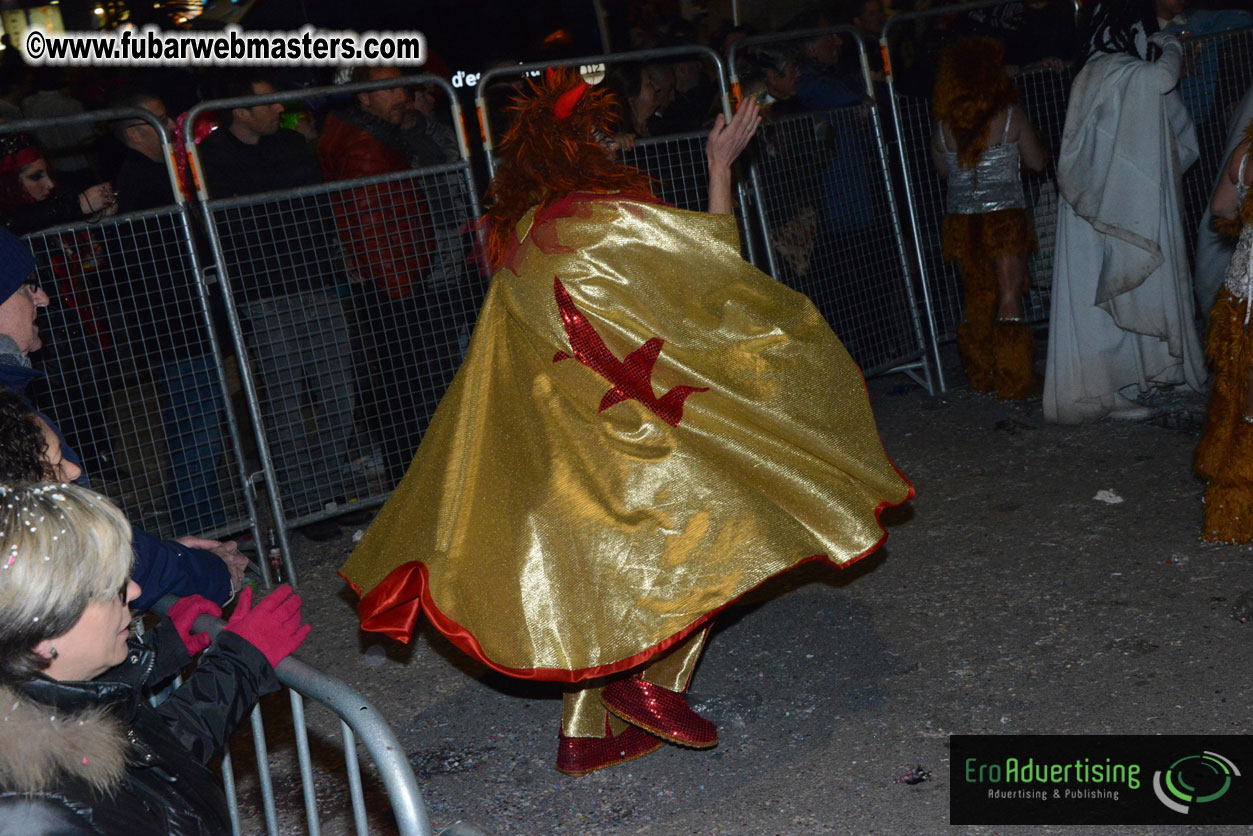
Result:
pixel 583 715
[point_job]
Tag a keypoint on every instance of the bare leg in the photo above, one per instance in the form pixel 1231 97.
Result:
pixel 1011 285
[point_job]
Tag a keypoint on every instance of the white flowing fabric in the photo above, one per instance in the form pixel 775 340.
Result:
pixel 1213 253
pixel 1122 312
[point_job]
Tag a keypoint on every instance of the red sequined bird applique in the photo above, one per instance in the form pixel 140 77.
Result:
pixel 632 378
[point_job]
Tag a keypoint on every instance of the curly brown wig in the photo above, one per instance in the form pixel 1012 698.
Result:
pixel 23 449
pixel 970 90
pixel 544 159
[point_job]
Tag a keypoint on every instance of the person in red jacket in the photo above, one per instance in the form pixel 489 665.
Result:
pixel 392 235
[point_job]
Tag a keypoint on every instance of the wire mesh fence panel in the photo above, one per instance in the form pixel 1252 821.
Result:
pixel 1044 95
pixel 1218 71
pixel 133 381
pixel 678 164
pixel 356 303
pixel 828 220
pixel 681 173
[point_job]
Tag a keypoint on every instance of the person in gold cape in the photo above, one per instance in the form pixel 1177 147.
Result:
pixel 644 429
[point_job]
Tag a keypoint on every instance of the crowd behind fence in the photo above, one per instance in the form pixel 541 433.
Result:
pixel 338 369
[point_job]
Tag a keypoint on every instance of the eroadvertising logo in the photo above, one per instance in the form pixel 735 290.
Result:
pixel 1211 772
pixel 1100 779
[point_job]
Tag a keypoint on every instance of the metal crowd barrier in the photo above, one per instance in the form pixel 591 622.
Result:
pixel 358 720
pixel 1218 70
pixel 676 160
pixel 346 346
pixel 135 378
pixel 827 211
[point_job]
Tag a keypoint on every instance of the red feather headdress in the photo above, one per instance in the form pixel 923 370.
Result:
pixel 550 151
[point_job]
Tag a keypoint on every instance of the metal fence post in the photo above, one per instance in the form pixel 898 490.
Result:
pixel 311 482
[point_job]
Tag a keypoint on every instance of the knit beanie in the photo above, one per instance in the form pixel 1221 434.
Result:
pixel 16 264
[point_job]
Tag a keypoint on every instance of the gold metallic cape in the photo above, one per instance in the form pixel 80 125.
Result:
pixel 553 539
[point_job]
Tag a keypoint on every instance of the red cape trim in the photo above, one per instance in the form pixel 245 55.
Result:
pixel 392 608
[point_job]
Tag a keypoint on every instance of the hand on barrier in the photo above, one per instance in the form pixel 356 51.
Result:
pixel 98 200
pixel 184 614
pixel 273 625
pixel 236 563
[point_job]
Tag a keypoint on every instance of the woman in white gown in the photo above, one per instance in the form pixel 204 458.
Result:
pixel 1122 320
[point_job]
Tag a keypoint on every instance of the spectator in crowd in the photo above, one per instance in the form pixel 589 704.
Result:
pixel 13 87
pixel 867 18
pixel 399 243
pixel 285 268
pixel 772 75
pixel 695 99
pixel 67 145
pixel 79 353
pixel 824 84
pixel 645 90
pixel 82 750
pixel 12 65
pixel 29 197
pixel 142 180
pixel 188 566
pixel 159 295
pixel 982 139
pixel 1122 317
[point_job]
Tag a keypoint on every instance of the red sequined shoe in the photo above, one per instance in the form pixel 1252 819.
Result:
pixel 581 755
pixel 659 711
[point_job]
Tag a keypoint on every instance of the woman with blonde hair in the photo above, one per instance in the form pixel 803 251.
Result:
pixel 982 138
pixel 81 749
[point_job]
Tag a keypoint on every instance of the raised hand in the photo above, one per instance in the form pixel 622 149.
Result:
pixel 728 140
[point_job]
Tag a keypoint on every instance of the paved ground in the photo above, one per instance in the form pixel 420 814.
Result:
pixel 1008 600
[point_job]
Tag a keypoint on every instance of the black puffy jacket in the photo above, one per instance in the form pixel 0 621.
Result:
pixel 80 758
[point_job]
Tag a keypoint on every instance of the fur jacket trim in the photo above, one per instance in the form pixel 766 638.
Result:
pixel 40 749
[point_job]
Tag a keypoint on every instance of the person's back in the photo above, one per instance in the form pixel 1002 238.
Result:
pixel 994 182
pixel 1121 317
pixel 980 142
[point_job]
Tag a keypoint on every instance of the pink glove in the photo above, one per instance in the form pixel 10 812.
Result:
pixel 184 614
pixel 272 626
